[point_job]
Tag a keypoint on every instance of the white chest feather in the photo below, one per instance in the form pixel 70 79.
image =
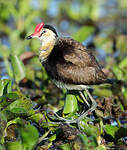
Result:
pixel 63 85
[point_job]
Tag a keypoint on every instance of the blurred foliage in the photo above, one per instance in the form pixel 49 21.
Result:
pixel 28 97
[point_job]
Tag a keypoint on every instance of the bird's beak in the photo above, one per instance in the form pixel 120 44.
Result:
pixel 29 37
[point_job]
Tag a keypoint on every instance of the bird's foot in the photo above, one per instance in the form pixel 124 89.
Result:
pixel 77 120
pixel 92 108
pixel 59 118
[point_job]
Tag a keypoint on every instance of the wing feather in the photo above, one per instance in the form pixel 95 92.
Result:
pixel 75 64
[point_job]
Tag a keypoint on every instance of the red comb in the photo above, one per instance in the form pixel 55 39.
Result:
pixel 38 28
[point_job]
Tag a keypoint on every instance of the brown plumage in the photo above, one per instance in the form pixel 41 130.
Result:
pixel 71 63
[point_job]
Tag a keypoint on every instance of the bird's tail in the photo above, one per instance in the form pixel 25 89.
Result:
pixel 113 81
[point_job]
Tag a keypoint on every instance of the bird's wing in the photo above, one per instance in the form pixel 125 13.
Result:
pixel 78 54
pixel 80 65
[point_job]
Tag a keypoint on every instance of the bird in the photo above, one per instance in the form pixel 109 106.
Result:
pixel 69 64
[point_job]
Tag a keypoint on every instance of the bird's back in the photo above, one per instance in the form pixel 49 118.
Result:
pixel 71 62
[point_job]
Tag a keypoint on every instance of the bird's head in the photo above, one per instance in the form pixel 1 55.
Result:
pixel 47 36
pixel 44 33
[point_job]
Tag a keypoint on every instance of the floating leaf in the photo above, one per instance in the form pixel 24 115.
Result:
pixel 7 99
pixel 18 68
pixel 29 136
pixel 111 130
pixel 5 86
pixel 83 138
pixel 121 133
pixel 101 147
pixel 1 147
pixel 91 130
pixel 37 117
pixel 8 68
pixel 115 132
pixel 12 96
pixel 71 104
pixel 65 147
pixel 21 106
pixel 89 142
pixel 14 145
pixel 52 138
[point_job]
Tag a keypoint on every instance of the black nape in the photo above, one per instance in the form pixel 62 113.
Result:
pixel 50 28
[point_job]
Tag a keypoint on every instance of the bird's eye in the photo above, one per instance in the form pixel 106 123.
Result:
pixel 42 33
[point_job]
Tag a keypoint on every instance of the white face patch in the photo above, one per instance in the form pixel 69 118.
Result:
pixel 47 37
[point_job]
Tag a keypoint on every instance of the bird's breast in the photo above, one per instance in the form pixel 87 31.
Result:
pixel 44 52
pixel 43 55
pixel 62 85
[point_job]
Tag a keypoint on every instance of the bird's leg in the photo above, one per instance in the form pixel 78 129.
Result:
pixel 83 98
pixel 61 118
pixel 92 108
pixel 94 104
pixel 70 106
pixel 84 113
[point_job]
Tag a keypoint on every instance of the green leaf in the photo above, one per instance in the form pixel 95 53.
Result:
pixel 90 130
pixel 12 96
pixel 118 72
pixel 7 99
pixel 71 104
pixel 65 147
pixel 121 43
pixel 1 147
pixel 111 130
pixel 101 92
pixel 14 145
pixel 121 133
pixel 36 117
pixel 101 147
pixel 18 110
pixel 123 63
pixel 8 67
pixel 21 106
pixel 18 68
pixel 5 86
pixel 83 138
pixel 3 124
pixel 83 33
pixel 124 91
pixel 52 138
pixel 29 135
pixel 89 142
pixel 115 132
